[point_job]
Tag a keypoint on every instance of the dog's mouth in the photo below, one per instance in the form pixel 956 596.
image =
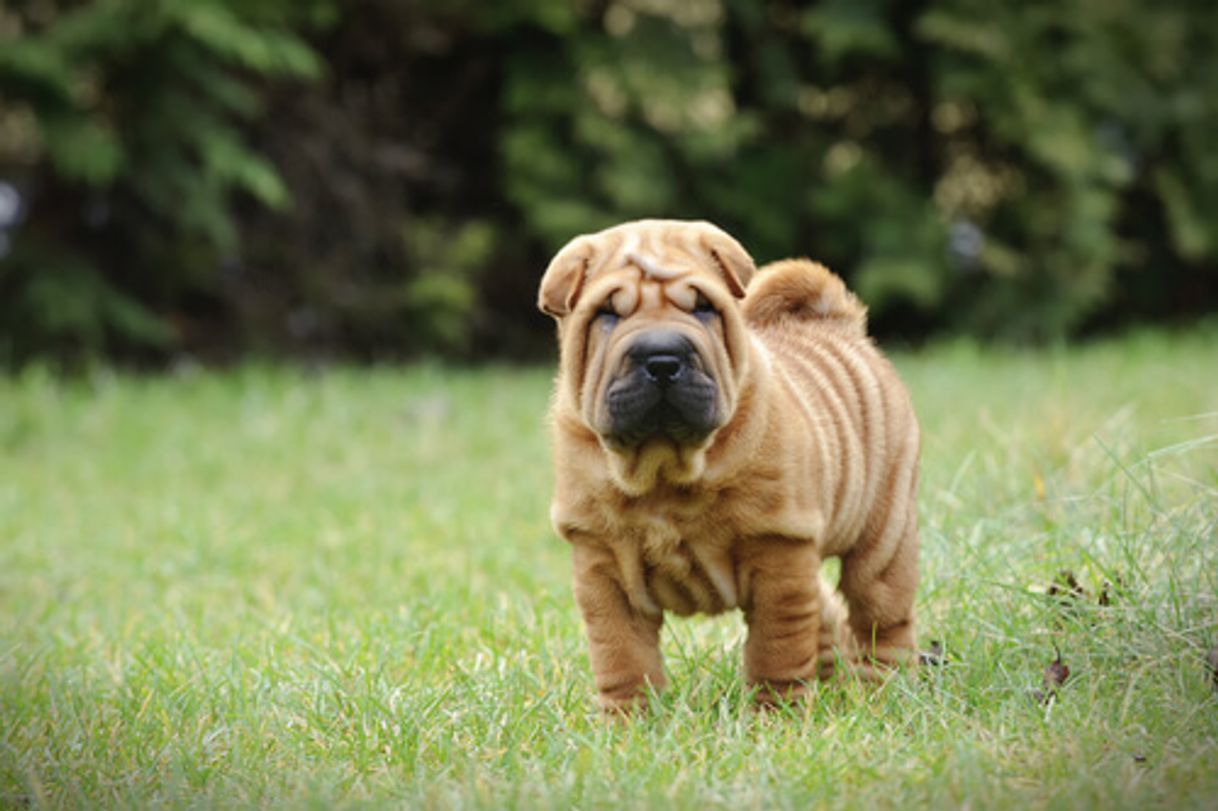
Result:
pixel 662 391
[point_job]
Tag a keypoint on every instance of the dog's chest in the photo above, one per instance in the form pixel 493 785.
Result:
pixel 668 565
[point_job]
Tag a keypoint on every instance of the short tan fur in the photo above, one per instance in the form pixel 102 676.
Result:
pixel 815 455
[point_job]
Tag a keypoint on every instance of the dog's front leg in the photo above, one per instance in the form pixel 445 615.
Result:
pixel 623 642
pixel 783 600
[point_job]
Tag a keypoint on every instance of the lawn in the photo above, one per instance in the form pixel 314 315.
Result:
pixel 281 587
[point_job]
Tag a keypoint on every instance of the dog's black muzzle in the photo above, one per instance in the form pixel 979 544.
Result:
pixel 662 389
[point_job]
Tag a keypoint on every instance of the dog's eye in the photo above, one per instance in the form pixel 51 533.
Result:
pixel 703 309
pixel 606 316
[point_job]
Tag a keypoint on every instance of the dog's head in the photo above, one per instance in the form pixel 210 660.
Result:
pixel 652 340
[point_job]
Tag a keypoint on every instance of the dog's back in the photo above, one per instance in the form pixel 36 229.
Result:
pixel 815 331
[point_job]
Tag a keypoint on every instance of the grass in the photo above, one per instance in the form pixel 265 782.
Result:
pixel 270 587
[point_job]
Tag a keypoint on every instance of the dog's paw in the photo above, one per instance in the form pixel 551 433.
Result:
pixel 623 705
pixel 770 694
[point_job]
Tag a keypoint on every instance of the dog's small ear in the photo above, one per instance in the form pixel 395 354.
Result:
pixel 732 260
pixel 564 278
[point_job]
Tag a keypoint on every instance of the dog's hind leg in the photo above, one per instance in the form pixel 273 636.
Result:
pixel 880 576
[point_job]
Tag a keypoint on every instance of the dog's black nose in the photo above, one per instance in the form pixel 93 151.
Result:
pixel 663 355
pixel 663 368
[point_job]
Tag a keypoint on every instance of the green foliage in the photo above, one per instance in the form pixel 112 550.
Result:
pixel 441 297
pixel 74 303
pixel 136 155
pixel 1072 144
pixel 604 124
pixel 1022 171
pixel 996 168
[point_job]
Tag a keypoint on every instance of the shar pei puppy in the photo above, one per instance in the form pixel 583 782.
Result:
pixel 718 432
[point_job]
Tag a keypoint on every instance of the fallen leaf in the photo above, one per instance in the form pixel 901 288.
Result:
pixel 1111 590
pixel 934 656
pixel 1066 588
pixel 1054 676
pixel 1056 673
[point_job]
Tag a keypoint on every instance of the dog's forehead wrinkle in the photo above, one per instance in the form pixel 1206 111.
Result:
pixel 651 267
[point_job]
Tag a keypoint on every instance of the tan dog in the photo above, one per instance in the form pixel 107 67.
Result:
pixel 713 447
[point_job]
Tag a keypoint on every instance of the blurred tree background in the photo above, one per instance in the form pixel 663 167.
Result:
pixel 387 178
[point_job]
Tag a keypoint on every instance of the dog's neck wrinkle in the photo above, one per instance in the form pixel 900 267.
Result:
pixel 648 468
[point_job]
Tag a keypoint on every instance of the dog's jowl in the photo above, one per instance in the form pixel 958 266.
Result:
pixel 718 432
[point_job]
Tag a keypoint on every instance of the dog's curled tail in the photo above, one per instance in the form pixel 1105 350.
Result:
pixel 803 290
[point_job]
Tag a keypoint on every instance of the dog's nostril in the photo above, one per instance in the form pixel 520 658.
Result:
pixel 663 368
